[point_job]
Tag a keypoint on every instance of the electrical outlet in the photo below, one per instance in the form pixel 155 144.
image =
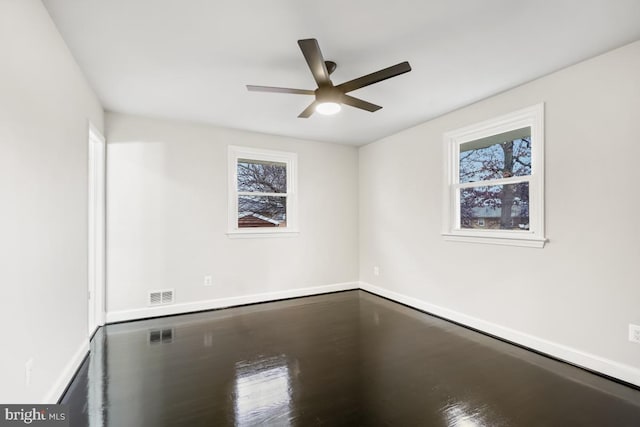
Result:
pixel 376 271
pixel 634 333
pixel 28 368
pixel 208 281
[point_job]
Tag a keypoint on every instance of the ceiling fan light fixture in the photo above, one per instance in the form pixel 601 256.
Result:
pixel 328 108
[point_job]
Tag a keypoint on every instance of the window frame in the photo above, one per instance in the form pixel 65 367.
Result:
pixel 291 160
pixel 532 117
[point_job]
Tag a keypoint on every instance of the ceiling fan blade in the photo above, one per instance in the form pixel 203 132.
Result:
pixel 308 111
pixel 279 90
pixel 378 76
pixel 359 103
pixel 311 51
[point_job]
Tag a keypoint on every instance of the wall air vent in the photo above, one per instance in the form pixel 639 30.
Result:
pixel 167 297
pixel 161 297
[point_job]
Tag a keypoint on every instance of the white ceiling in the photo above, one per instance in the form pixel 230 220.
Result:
pixel 191 59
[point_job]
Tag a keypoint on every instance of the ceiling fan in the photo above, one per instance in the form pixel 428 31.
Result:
pixel 329 97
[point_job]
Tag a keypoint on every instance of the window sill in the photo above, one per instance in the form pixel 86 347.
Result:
pixel 257 234
pixel 524 241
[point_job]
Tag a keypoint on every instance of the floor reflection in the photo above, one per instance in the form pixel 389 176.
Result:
pixel 348 359
pixel 263 392
pixel 96 385
pixel 460 415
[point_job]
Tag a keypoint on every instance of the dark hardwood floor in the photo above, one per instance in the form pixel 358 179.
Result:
pixel 348 358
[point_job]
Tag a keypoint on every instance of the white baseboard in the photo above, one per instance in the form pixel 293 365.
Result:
pixel 141 313
pixel 592 362
pixel 65 377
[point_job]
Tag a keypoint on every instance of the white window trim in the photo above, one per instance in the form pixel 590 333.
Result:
pixel 534 237
pixel 291 160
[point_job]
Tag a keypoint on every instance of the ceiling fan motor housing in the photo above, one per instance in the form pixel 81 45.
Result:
pixel 328 94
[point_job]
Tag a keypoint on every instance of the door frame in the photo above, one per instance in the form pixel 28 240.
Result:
pixel 97 154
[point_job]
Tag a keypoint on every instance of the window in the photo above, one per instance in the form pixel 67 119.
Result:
pixel 262 192
pixel 495 177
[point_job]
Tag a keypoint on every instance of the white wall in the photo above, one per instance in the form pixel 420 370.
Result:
pixel 575 297
pixel 45 108
pixel 167 219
